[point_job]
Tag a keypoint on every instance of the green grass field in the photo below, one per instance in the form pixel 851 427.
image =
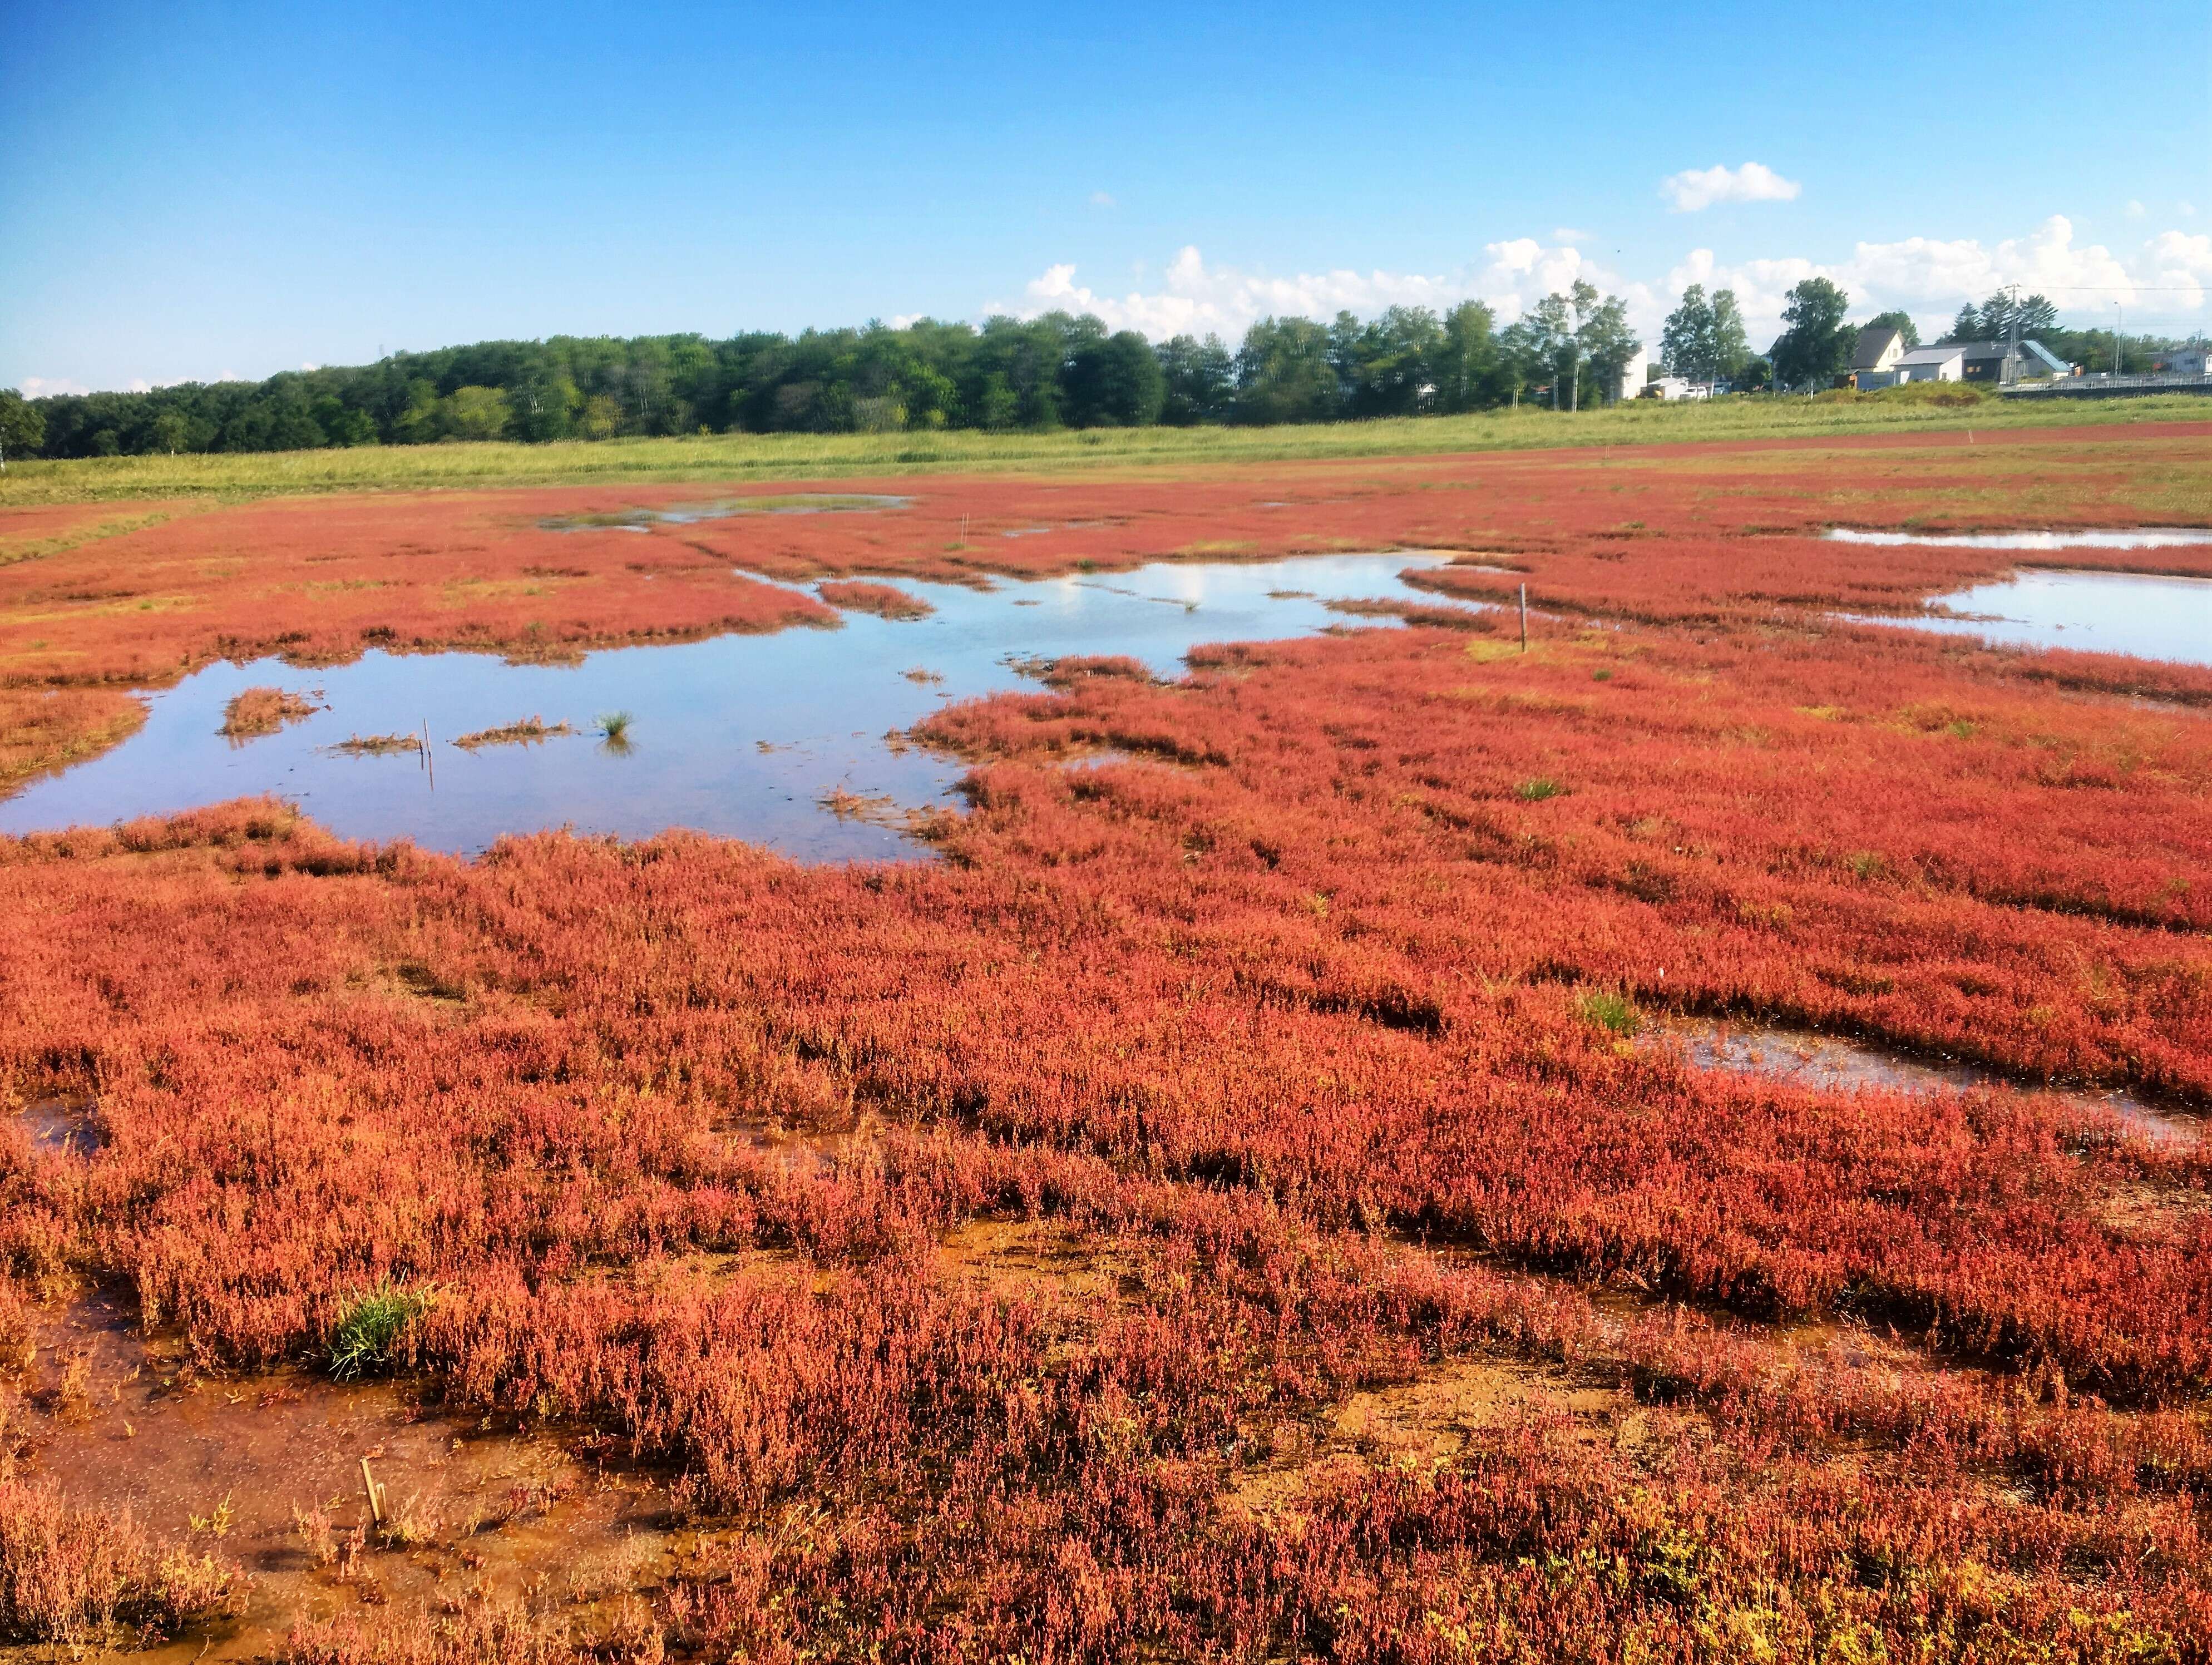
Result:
pixel 727 457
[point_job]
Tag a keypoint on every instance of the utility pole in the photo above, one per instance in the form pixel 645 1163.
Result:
pixel 2116 337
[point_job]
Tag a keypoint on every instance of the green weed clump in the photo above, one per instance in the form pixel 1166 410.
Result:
pixel 1614 1013
pixel 1536 791
pixel 615 726
pixel 364 1340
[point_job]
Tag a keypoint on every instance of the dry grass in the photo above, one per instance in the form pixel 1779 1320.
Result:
pixel 264 711
pixel 530 730
pixel 379 746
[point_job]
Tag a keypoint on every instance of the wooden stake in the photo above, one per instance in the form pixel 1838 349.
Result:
pixel 375 1494
pixel 1524 618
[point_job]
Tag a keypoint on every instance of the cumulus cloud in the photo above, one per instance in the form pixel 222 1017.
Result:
pixel 1194 298
pixel 1701 187
pixel 2168 275
pixel 2165 282
pixel 40 388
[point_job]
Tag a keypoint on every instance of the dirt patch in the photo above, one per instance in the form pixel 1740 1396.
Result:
pixel 1036 1259
pixel 267 1471
pixel 1432 1420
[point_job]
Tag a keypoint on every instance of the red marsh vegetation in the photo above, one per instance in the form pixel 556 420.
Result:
pixel 1233 1204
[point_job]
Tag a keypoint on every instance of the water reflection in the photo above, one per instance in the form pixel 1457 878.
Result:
pixel 724 509
pixel 2133 538
pixel 2138 613
pixel 1839 1064
pixel 762 738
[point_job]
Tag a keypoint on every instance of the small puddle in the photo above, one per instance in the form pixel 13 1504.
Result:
pixel 269 1468
pixel 778 738
pixel 2142 614
pixel 2134 538
pixel 724 509
pixel 1835 1064
pixel 61 1126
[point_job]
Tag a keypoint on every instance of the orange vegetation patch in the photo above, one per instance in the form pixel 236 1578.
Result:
pixel 1216 1211
pixel 264 711
pixel 883 600
pixel 43 729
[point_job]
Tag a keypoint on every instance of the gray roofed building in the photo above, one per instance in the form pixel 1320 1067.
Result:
pixel 1879 347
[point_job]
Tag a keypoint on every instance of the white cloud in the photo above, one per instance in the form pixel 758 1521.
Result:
pixel 2169 276
pixel 1102 199
pixel 43 387
pixel 1193 298
pixel 1569 234
pixel 1701 187
pixel 2136 210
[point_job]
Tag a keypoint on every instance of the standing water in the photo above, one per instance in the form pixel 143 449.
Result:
pixel 2148 615
pixel 744 735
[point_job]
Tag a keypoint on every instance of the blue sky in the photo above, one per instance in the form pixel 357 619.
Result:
pixel 196 190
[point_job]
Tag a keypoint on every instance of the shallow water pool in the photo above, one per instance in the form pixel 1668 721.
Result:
pixel 741 736
pixel 2143 614
pixel 2133 538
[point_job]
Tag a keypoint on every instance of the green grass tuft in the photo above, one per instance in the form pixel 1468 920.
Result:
pixel 1536 791
pixel 1614 1013
pixel 369 1327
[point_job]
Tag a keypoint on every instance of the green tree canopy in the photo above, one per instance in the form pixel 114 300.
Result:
pixel 22 425
pixel 1899 321
pixel 1815 344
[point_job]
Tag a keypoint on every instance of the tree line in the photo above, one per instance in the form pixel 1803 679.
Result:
pixel 1061 370
pixel 1058 370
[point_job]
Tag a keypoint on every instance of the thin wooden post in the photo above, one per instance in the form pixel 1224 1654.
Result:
pixel 1524 618
pixel 375 1495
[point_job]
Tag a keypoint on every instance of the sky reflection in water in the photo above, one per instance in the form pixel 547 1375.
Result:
pixel 741 736
pixel 2150 617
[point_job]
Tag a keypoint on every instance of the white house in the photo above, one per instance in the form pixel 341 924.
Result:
pixel 1875 355
pixel 1632 375
pixel 2194 360
pixel 1926 364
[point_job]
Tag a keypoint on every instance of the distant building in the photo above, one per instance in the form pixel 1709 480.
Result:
pixel 1875 355
pixel 2194 360
pixel 1677 387
pixel 1921 364
pixel 1633 374
pixel 2006 363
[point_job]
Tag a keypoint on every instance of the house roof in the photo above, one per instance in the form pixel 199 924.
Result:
pixel 1932 356
pixel 1984 348
pixel 1874 341
pixel 2036 350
